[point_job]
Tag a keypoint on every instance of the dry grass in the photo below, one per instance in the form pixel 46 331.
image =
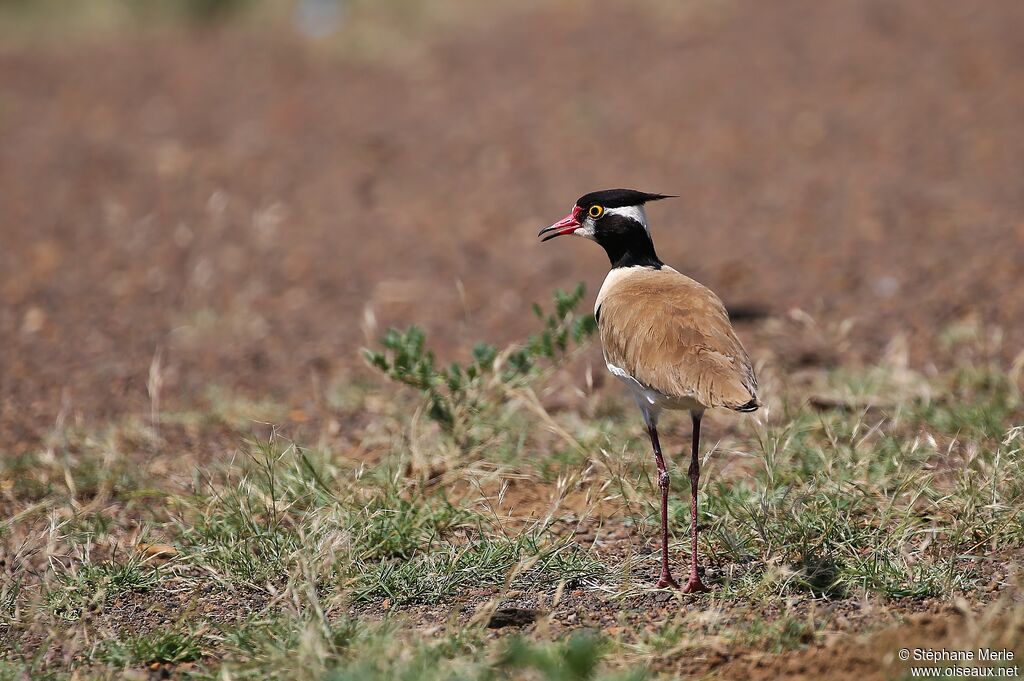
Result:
pixel 290 561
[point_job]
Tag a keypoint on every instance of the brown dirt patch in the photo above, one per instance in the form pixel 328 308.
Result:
pixel 241 202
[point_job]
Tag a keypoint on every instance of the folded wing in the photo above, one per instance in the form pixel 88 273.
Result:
pixel 673 335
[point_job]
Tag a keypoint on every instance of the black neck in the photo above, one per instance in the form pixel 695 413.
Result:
pixel 633 248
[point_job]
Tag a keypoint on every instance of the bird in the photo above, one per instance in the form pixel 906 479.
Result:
pixel 664 335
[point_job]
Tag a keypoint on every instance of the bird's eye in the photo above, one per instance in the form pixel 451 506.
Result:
pixel 595 212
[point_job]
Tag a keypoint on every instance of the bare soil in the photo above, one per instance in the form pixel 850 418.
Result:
pixel 249 205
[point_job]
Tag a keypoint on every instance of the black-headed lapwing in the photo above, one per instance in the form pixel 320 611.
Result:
pixel 664 335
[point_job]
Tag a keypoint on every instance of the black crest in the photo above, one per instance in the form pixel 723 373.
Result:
pixel 617 198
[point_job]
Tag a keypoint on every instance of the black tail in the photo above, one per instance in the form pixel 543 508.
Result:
pixel 752 405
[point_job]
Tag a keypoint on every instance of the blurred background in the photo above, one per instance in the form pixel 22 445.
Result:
pixel 242 193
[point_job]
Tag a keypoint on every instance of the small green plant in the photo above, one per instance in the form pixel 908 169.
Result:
pixel 159 646
pixel 575 659
pixel 90 584
pixel 430 577
pixel 387 526
pixel 456 392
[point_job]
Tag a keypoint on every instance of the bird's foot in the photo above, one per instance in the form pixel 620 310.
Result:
pixel 694 586
pixel 666 581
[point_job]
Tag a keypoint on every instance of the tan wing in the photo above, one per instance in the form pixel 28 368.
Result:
pixel 673 335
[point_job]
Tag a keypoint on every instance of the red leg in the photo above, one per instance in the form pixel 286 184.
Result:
pixel 694 585
pixel 665 580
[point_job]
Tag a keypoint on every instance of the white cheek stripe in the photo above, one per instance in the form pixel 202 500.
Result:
pixel 633 213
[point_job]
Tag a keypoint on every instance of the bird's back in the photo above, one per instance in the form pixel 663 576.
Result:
pixel 672 335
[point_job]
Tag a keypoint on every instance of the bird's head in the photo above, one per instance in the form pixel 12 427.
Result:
pixel 615 219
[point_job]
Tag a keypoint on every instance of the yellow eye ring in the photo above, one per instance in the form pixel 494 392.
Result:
pixel 595 212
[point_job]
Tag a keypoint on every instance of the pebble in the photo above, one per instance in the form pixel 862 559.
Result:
pixel 157 550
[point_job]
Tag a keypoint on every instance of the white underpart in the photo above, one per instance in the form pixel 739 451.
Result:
pixel 633 213
pixel 651 401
